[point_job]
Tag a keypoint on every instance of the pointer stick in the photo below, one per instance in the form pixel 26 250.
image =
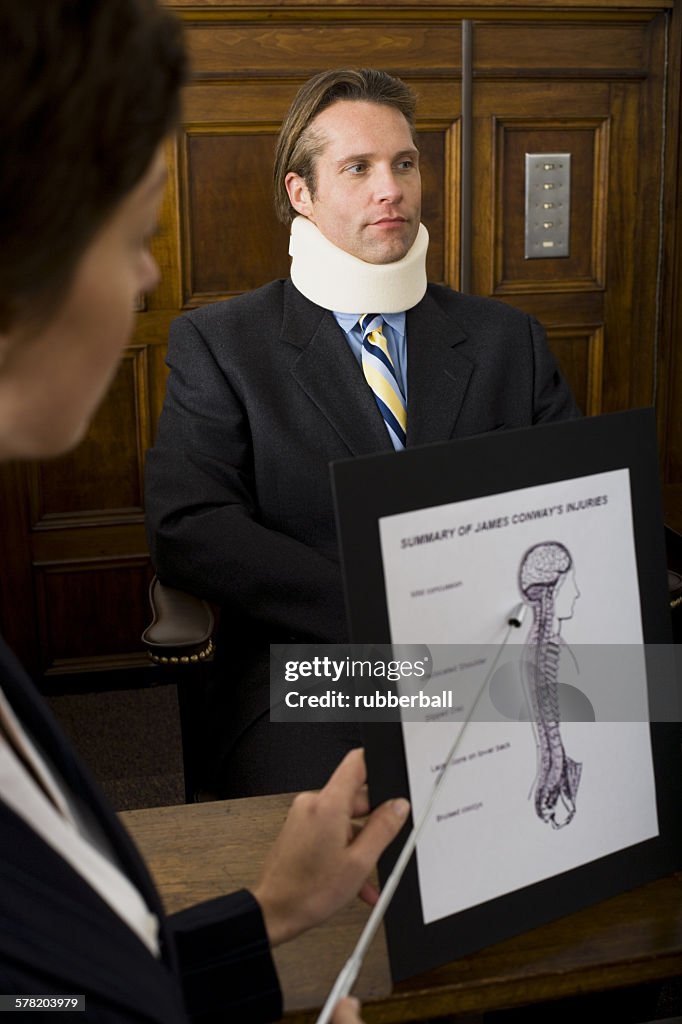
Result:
pixel 351 969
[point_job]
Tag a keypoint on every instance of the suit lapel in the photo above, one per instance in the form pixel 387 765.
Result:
pixel 80 941
pixel 437 373
pixel 36 716
pixel 331 377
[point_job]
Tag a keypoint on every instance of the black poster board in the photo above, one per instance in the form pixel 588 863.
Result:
pixel 369 488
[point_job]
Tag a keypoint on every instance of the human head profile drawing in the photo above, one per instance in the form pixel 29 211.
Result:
pixel 547 582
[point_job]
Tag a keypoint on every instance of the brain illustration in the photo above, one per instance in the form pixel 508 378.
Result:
pixel 543 564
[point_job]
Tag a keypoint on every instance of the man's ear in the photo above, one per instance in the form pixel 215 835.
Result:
pixel 299 195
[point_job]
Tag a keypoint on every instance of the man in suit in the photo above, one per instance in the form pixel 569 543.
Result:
pixel 267 389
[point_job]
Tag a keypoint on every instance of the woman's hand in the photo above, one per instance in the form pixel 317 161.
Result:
pixel 347 1011
pixel 320 859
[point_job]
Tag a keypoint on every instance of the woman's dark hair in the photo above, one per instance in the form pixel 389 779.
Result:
pixel 88 89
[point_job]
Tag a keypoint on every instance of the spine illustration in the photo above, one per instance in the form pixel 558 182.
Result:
pixel 543 573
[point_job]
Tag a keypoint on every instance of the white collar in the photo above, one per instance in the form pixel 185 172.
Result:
pixel 335 280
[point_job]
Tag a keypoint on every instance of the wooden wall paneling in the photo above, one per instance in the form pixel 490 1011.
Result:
pixel 544 45
pixel 670 347
pixel 265 50
pixel 90 610
pixel 102 479
pixel 73 539
pixel 88 613
pixel 630 306
pixel 165 245
pixel 649 226
pixel 506 126
pixel 86 500
pixel 165 302
pixel 579 87
pixel 232 242
pixel 580 351
pixel 439 206
pixel 119 540
pixel 17 598
pixel 152 333
pixel 246 101
pixel 626 263
pixel 453 212
pixel 543 112
pixel 586 139
pixel 209 10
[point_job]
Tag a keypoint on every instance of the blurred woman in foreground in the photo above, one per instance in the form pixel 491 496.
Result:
pixel 88 93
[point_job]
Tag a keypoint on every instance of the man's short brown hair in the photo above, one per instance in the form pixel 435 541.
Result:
pixel 298 145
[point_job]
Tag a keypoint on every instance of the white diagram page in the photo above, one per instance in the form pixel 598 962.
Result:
pixel 555 768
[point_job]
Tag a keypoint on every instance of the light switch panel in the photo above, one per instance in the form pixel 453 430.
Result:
pixel 548 205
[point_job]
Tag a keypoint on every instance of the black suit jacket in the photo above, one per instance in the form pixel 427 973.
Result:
pixel 264 392
pixel 58 936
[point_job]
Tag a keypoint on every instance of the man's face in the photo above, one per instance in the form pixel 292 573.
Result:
pixel 367 197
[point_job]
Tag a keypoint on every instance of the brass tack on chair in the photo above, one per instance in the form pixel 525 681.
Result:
pixel 183 659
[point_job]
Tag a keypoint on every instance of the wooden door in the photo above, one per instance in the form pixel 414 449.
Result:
pixel 591 88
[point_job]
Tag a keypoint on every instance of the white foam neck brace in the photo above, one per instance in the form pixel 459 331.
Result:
pixel 335 280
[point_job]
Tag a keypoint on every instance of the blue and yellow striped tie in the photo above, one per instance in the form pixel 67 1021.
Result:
pixel 380 374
